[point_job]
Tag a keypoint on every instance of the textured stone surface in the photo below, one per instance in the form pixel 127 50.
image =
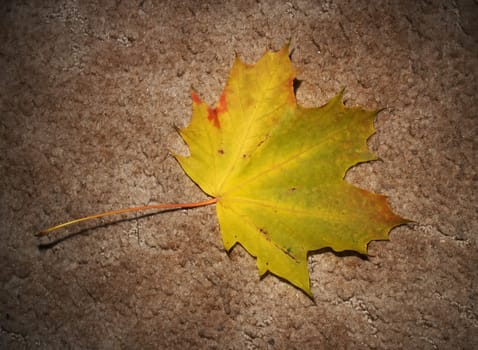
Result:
pixel 89 97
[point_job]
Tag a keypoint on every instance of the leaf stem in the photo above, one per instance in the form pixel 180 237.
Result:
pixel 129 210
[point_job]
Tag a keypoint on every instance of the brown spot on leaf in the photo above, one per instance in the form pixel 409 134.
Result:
pixel 212 117
pixel 265 233
pixel 220 151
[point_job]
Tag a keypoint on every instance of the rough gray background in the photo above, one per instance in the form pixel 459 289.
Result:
pixel 90 94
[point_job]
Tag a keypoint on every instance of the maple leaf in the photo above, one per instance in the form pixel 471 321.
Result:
pixel 277 169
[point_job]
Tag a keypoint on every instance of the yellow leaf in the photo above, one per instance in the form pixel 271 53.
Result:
pixel 277 169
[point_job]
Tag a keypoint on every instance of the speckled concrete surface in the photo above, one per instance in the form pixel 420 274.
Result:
pixel 90 95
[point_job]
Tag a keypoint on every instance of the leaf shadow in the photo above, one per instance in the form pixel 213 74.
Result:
pixel 283 280
pixel 341 254
pixel 295 85
pixel 44 246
